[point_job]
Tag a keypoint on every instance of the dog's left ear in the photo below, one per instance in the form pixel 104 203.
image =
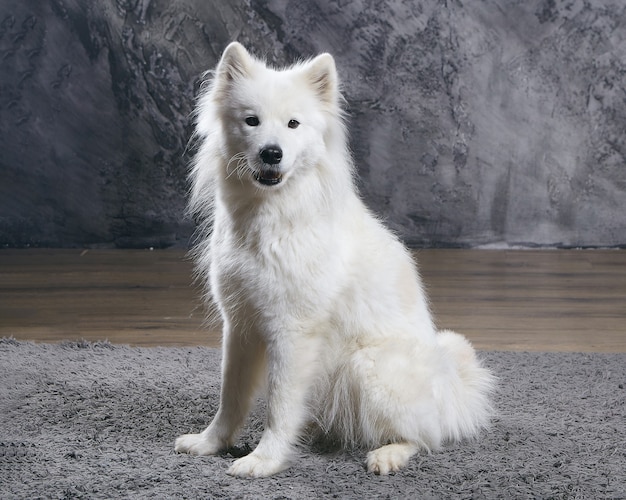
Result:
pixel 322 76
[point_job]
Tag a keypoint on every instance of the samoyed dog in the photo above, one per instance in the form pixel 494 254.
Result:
pixel 321 305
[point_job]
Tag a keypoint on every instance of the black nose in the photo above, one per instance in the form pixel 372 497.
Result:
pixel 271 155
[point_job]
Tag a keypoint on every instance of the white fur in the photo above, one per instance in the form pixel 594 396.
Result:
pixel 318 300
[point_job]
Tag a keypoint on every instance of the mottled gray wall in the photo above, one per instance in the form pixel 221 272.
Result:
pixel 472 122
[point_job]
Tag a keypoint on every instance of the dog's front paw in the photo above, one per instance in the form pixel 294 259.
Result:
pixel 197 444
pixel 390 458
pixel 255 466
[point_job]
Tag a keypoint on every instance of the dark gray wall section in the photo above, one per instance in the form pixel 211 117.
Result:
pixel 472 122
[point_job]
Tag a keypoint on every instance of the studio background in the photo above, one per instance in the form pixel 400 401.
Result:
pixel 473 123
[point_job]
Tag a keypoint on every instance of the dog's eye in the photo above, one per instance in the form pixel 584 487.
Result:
pixel 253 121
pixel 293 124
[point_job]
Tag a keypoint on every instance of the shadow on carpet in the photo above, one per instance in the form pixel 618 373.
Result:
pixel 94 420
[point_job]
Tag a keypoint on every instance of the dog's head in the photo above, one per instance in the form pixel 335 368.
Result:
pixel 275 124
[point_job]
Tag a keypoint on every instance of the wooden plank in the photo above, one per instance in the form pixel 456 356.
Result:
pixel 539 300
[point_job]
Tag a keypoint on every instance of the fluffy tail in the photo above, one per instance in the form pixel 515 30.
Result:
pixel 464 403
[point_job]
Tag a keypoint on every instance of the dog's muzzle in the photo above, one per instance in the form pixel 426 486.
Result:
pixel 270 175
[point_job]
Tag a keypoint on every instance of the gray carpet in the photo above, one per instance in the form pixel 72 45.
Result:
pixel 82 420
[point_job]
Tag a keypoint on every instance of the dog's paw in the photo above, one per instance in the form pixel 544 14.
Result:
pixel 255 466
pixel 197 444
pixel 390 458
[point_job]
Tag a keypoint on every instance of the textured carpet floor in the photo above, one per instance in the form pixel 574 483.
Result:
pixel 82 420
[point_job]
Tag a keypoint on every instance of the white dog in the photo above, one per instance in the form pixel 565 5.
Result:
pixel 320 303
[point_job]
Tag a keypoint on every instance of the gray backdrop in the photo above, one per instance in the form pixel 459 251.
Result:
pixel 482 122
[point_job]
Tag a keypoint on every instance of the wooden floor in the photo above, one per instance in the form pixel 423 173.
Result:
pixel 546 300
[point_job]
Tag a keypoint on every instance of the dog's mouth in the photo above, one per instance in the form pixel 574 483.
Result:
pixel 268 177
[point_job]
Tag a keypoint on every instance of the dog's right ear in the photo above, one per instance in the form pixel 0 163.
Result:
pixel 322 76
pixel 234 64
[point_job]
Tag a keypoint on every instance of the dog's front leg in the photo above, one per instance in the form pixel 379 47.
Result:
pixel 291 365
pixel 242 368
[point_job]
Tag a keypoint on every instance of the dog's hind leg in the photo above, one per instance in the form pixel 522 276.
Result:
pixel 242 369
pixel 395 405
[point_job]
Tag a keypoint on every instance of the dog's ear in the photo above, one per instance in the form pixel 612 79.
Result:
pixel 235 63
pixel 322 76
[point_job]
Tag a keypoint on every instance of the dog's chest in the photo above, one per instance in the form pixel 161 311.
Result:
pixel 276 270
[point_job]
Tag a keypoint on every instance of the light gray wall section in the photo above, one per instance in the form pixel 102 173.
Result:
pixel 472 122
